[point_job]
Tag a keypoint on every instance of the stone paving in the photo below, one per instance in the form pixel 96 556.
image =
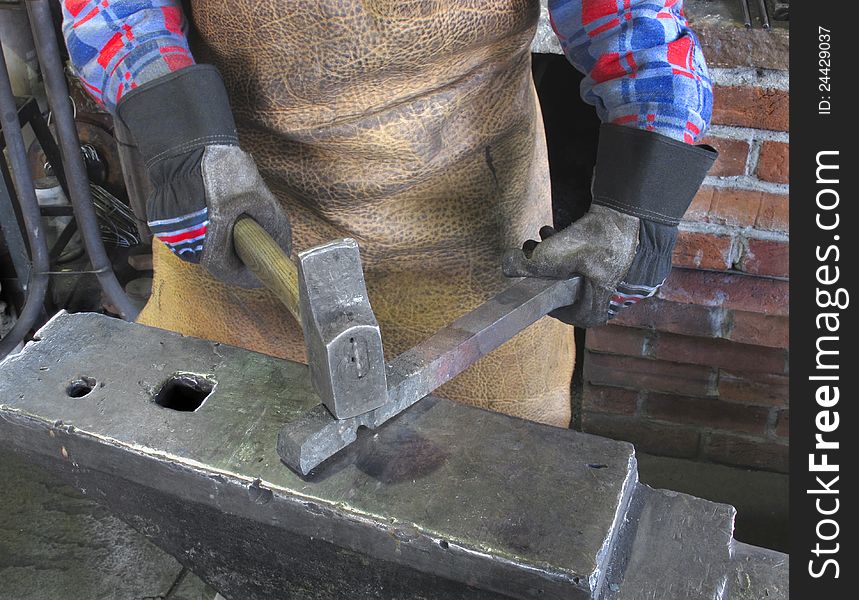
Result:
pixel 57 545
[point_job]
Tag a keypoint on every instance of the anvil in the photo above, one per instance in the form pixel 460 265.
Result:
pixel 177 436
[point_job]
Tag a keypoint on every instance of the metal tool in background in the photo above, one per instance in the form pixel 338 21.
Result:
pixel 782 10
pixel 71 172
pixel 763 13
pixel 37 284
pixel 747 15
pixel 73 165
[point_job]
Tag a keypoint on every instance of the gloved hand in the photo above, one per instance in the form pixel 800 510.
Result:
pixel 203 181
pixel 643 183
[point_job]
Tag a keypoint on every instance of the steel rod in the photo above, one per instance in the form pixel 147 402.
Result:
pixel 747 16
pixel 73 164
pixel 12 229
pixel 26 193
pixel 765 17
pixel 447 353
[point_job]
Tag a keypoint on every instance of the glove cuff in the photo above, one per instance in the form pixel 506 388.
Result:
pixel 648 175
pixel 179 112
pixel 650 266
pixel 652 261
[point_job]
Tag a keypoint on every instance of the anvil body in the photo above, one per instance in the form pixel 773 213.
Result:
pixel 443 501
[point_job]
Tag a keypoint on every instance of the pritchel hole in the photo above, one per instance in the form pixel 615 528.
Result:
pixel 80 387
pixel 184 392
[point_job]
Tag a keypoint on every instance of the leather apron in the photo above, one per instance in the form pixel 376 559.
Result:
pixel 411 126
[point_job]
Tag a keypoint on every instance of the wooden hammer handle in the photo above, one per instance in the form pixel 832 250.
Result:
pixel 268 261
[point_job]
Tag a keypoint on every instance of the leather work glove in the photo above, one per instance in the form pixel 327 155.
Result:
pixel 202 180
pixel 643 184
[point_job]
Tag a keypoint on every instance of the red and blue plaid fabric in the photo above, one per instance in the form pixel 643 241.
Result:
pixel 116 45
pixel 643 64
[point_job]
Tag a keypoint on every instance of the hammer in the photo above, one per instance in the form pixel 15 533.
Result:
pixel 341 334
pixel 344 346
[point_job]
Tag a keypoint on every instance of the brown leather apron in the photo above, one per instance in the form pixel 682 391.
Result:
pixel 411 126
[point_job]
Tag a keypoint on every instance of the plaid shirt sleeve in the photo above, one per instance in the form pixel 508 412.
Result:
pixel 643 65
pixel 116 45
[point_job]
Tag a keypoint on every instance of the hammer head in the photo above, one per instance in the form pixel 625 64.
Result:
pixel 342 336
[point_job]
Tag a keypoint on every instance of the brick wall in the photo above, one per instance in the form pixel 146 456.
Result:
pixel 701 371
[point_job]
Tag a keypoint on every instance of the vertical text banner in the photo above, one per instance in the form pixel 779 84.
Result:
pixel 824 426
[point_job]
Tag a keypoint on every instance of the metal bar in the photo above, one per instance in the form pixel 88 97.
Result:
pixel 10 225
pixel 72 272
pixel 765 17
pixel 49 147
pixel 63 240
pixel 447 353
pixel 26 193
pixel 57 211
pixel 747 16
pixel 75 170
pixel 306 442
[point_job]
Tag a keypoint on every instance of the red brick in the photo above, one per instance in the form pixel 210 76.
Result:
pixel 617 340
pixel 700 207
pixel 707 412
pixel 761 108
pixel 782 427
pixel 746 452
pixel 759 389
pixel 653 438
pixel 775 213
pixel 643 374
pixel 774 162
pixel 732 156
pixel 601 399
pixel 685 319
pixel 726 45
pixel 734 207
pixel 717 353
pixel 765 257
pixel 762 330
pixel 737 207
pixel 700 250
pixel 727 290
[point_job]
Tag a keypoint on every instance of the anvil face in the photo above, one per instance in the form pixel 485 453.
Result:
pixel 443 501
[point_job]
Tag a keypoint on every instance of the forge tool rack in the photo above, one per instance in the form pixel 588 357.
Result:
pixel 177 436
pixel 68 163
